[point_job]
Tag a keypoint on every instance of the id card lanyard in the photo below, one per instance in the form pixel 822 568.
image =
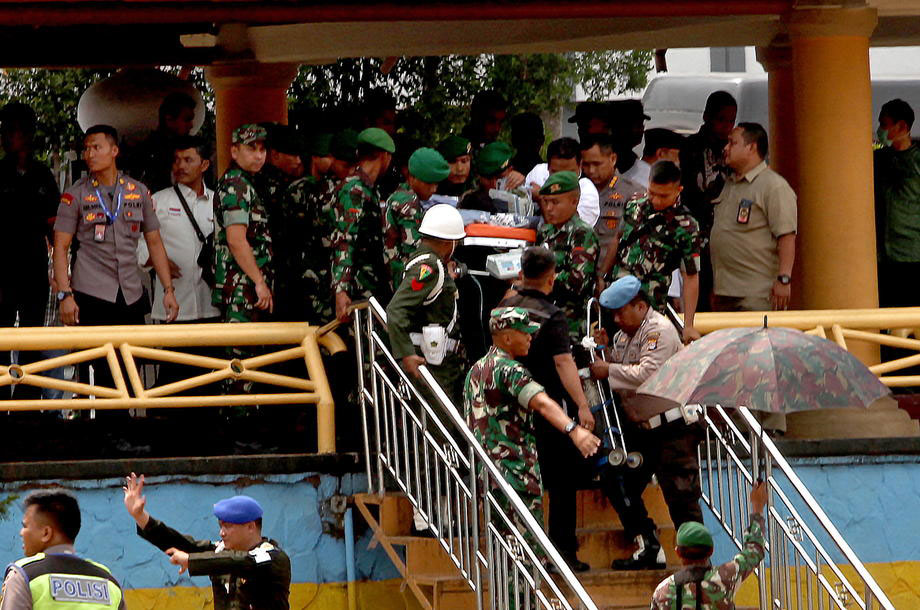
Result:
pixel 116 199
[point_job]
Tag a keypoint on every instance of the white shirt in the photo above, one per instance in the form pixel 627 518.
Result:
pixel 589 205
pixel 639 173
pixel 182 247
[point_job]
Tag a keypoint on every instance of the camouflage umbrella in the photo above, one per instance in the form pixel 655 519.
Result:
pixel 764 369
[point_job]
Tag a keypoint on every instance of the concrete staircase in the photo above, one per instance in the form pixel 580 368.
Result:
pixel 436 583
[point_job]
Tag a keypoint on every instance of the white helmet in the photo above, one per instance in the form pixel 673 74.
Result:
pixel 442 221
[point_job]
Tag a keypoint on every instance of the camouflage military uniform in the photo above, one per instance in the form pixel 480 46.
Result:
pixel 236 201
pixel 272 185
pixel 308 218
pixel 400 230
pixel 719 584
pixel 428 295
pixel 496 399
pixel 358 269
pixel 654 244
pixel 576 248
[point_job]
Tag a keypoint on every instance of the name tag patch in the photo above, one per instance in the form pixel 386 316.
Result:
pixel 76 589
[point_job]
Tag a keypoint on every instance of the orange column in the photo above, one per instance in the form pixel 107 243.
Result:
pixel 247 92
pixel 830 112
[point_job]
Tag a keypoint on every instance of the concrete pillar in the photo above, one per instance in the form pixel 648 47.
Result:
pixel 831 115
pixel 776 59
pixel 247 92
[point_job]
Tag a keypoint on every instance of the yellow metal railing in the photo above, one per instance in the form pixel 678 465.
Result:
pixel 152 343
pixel 861 331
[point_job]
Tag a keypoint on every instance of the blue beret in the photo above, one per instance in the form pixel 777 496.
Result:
pixel 238 509
pixel 621 292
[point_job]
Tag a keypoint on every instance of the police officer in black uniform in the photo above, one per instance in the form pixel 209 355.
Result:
pixel 247 570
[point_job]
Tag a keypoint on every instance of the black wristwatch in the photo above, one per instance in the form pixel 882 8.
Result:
pixel 63 294
pixel 785 280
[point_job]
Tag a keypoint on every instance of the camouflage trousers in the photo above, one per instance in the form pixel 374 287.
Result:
pixel 533 502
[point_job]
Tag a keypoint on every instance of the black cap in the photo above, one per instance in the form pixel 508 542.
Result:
pixel 585 111
pixel 17 112
pixel 627 110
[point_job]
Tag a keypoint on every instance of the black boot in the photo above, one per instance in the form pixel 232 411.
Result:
pixel 648 555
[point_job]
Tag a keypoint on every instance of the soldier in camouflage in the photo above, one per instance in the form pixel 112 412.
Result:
pixel 358 270
pixel 659 236
pixel 308 212
pixel 406 206
pixel 574 244
pixel 458 152
pixel 699 585
pixel 283 165
pixel 428 296
pixel 243 271
pixel 500 398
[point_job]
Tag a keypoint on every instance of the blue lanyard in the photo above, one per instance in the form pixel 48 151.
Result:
pixel 117 195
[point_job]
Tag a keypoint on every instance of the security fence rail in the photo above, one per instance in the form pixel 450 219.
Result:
pixel 417 442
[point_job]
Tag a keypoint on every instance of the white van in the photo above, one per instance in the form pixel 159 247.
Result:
pixel 676 101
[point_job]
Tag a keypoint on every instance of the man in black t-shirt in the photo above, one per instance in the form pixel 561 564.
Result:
pixel 551 363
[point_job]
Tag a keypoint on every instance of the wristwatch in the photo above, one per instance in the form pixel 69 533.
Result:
pixel 63 294
pixel 785 280
pixel 570 426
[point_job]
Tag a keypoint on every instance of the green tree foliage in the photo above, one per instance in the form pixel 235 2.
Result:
pixel 5 504
pixel 434 93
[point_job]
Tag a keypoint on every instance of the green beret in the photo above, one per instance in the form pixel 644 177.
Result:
pixel 320 145
pixel 378 138
pixel 493 159
pixel 560 182
pixel 429 166
pixel 454 146
pixel 249 133
pixel 693 533
pixel 514 318
pixel 344 145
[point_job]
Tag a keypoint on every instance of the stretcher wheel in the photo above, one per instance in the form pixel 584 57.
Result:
pixel 616 457
pixel 634 459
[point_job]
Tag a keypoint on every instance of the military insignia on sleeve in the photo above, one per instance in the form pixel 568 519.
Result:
pixel 652 341
pixel 417 285
pixel 67 199
pixel 424 271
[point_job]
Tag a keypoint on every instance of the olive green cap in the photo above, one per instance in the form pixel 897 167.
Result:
pixel 694 533
pixel 344 145
pixel 454 146
pixel 560 182
pixel 320 145
pixel 378 138
pixel 513 318
pixel 249 133
pixel 493 159
pixel 427 165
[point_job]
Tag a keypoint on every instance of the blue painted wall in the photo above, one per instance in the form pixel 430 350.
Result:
pixel 873 501
pixel 293 516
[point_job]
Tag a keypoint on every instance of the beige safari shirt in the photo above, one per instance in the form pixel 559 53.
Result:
pixel 637 358
pixel 103 266
pixel 751 212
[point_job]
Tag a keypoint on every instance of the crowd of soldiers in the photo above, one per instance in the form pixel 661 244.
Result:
pixel 302 230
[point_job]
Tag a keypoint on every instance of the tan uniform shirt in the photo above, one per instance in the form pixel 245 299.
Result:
pixel 106 258
pixel 639 357
pixel 751 212
pixel 613 198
